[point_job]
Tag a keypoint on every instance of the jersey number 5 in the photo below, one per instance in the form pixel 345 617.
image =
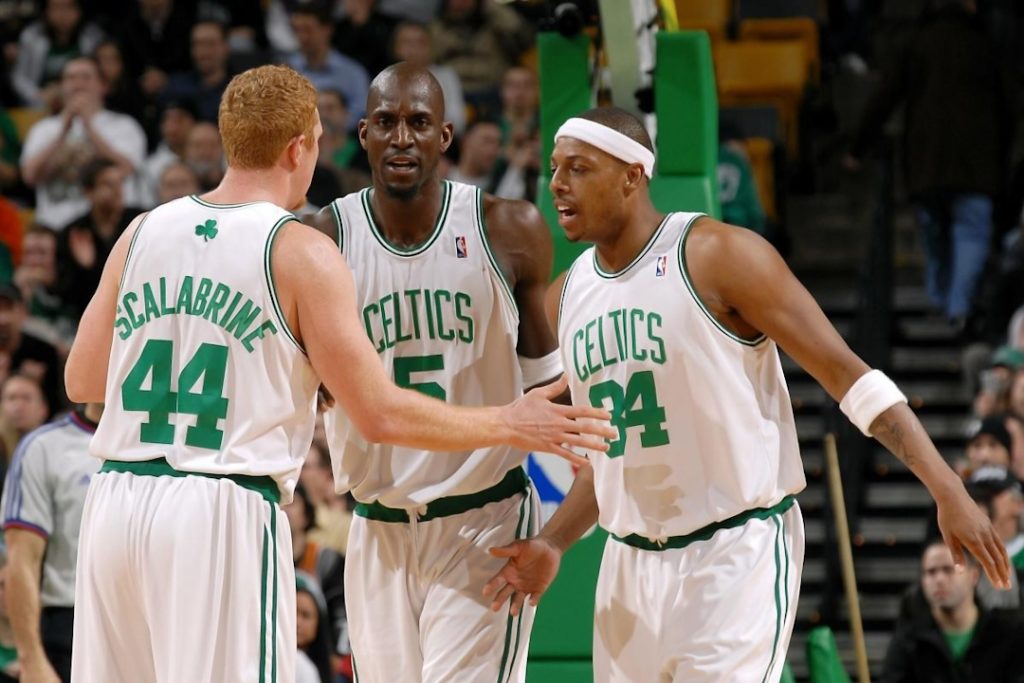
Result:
pixel 209 405
pixel 406 365
pixel 625 413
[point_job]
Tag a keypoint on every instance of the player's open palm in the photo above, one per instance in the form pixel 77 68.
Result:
pixel 532 566
pixel 552 428
pixel 963 525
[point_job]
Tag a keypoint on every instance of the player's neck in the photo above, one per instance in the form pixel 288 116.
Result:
pixel 241 186
pixel 407 221
pixel 640 225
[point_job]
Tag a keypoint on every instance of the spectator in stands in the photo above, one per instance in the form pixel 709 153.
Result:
pixel 737 188
pixel 50 318
pixel 205 83
pixel 86 241
pixel 10 150
pixel 42 512
pixel 22 353
pixel 204 154
pixel 412 43
pixel 312 629
pixel 155 38
pixel 331 513
pixel 175 125
pixel 957 132
pixel 364 34
pixel 989 446
pixel 480 39
pixel 45 46
pixel 178 180
pixel 58 148
pixel 994 390
pixel 123 94
pixel 320 562
pixel 324 66
pixel 10 670
pixel 955 639
pixel 479 151
pixel 340 151
pixel 520 97
pixel 1000 493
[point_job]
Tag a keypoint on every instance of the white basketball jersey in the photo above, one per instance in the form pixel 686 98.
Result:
pixel 444 321
pixel 706 428
pixel 203 368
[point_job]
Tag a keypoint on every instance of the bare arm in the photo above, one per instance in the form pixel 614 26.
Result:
pixel 533 562
pixel 524 251
pixel 85 374
pixel 319 293
pixel 750 289
pixel 26 550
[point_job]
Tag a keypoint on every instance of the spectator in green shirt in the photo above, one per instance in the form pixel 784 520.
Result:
pixel 737 189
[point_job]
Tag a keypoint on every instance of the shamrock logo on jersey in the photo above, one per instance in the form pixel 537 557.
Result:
pixel 207 230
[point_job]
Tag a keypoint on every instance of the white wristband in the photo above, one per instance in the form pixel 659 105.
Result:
pixel 538 371
pixel 869 397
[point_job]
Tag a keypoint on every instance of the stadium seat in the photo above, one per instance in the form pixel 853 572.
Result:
pixel 765 73
pixel 776 9
pixel 24 118
pixel 712 16
pixel 760 152
pixel 802 29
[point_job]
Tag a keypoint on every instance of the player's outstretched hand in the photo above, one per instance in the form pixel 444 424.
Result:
pixel 531 567
pixel 963 525
pixel 541 425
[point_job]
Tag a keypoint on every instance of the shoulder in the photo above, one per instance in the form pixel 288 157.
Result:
pixel 34 445
pixel 325 221
pixel 514 217
pixel 712 240
pixel 44 129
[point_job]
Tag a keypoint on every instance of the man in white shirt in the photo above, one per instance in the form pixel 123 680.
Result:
pixel 58 147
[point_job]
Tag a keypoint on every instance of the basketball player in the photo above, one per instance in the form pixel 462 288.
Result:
pixel 215 321
pixel 451 285
pixel 672 322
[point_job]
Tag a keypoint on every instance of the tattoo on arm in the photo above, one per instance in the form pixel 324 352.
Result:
pixel 890 434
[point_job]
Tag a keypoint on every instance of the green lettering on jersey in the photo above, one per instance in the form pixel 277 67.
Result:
pixel 152 310
pixel 442 332
pixel 245 317
pixel 267 326
pixel 124 324
pixel 463 303
pixel 202 294
pixel 622 404
pixel 220 295
pixel 657 355
pixel 164 308
pixel 368 311
pixel 637 338
pixel 577 344
pixel 412 295
pixel 185 295
pixel 128 299
pixel 399 337
pixel 386 319
pixel 230 309
pixel 428 307
pixel 636 317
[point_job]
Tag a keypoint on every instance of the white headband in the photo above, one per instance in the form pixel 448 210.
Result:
pixel 608 140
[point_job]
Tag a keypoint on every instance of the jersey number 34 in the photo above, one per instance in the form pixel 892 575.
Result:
pixel 636 405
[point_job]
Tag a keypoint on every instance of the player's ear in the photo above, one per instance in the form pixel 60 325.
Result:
pixel 293 152
pixel 634 177
pixel 361 133
pixel 447 135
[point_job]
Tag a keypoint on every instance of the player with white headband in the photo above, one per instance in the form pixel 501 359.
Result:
pixel 673 322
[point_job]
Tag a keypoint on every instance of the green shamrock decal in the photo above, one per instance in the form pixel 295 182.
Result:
pixel 207 230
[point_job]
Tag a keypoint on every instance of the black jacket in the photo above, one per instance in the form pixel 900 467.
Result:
pixel 959 117
pixel 918 652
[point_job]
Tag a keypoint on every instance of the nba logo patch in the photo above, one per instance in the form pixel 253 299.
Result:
pixel 661 266
pixel 460 246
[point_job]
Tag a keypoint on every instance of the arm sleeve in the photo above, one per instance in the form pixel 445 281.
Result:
pixel 26 498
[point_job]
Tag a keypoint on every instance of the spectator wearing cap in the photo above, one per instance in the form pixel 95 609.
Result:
pixel 87 240
pixel 42 511
pixel 989 446
pixel 998 494
pixel 954 639
pixel 995 380
pixel 313 632
pixel 24 353
pixel 1001 494
pixel 324 66
pixel 176 122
